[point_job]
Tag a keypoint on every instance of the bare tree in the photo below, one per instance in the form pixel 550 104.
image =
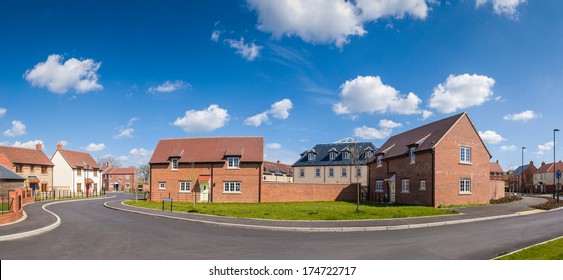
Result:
pixel 103 161
pixel 144 173
pixel 355 160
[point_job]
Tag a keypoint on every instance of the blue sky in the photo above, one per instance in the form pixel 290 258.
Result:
pixel 113 78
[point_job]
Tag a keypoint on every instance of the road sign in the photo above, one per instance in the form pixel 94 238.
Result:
pixel 558 174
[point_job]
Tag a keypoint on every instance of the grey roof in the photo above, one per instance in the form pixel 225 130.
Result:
pixel 519 170
pixel 322 154
pixel 7 174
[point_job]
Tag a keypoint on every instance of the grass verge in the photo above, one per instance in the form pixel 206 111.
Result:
pixel 331 210
pixel 552 250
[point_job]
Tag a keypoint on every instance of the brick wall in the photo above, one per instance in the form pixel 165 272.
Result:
pixel 289 192
pixel 20 198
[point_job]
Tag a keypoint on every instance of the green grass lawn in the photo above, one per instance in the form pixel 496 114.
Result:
pixel 552 250
pixel 332 210
pixel 4 207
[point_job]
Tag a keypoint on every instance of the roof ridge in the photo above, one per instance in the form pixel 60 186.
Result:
pixel 207 137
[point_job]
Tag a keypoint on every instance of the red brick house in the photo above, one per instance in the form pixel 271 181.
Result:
pixel 214 169
pixel 522 178
pixel 496 171
pixel 119 178
pixel 440 163
pixel 32 164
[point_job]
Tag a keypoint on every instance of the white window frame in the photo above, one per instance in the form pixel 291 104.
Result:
pixel 330 172
pixel 379 161
pixel 379 186
pixel 358 172
pixel 405 186
pixel 120 179
pixel 311 156
pixel 413 157
pixel 231 187
pixel 332 155
pixel 465 154
pixel 127 177
pixel 317 172
pixel 301 172
pixel 344 172
pixel 161 186
pixel 185 186
pixel 422 185
pixel 346 155
pixel 233 163
pixel 174 164
pixel 127 186
pixel 464 186
pixel 368 155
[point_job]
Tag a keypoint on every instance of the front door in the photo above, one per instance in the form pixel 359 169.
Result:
pixel 116 187
pixel 87 189
pixel 204 194
pixel 33 187
pixel 392 189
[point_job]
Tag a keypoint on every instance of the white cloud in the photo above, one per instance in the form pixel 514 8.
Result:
pixel 491 137
pixel 79 75
pixel 546 147
pixel 205 120
pixel 329 21
pixel 389 124
pixel 63 142
pixel 136 157
pixel 508 7
pixel 18 128
pixel 132 121
pixel 95 147
pixel 273 146
pixel 247 51
pixel 426 114
pixel 367 94
pixel 523 116
pixel 141 152
pixel 460 92
pixel 256 120
pixel 372 133
pixel 506 148
pixel 125 132
pixel 215 35
pixel 29 144
pixel 169 86
pixel 2 111
pixel 280 109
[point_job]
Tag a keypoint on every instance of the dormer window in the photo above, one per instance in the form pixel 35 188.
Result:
pixel 311 155
pixel 346 155
pixel 174 164
pixel 368 154
pixel 233 163
pixel 379 161
pixel 411 152
pixel 332 155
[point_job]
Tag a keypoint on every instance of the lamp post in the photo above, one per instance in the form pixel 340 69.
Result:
pixel 554 187
pixel 522 174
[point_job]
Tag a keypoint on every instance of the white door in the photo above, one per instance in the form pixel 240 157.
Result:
pixel 392 189
pixel 204 191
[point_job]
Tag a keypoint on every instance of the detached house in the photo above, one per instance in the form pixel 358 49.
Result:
pixel 543 177
pixel 440 163
pixel 522 178
pixel 75 171
pixel 213 169
pixel 119 178
pixel 31 164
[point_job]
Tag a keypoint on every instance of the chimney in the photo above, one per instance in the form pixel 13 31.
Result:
pixel 542 163
pixel 59 146
pixel 39 146
pixel 497 160
pixel 531 162
pixel 278 161
pixel 108 164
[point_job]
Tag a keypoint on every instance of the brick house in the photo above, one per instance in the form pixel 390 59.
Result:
pixel 75 171
pixel 119 178
pixel 31 164
pixel 522 178
pixel 277 172
pixel 213 169
pixel 496 171
pixel 9 180
pixel 440 163
pixel 543 177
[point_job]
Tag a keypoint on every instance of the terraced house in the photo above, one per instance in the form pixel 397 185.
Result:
pixel 440 163
pixel 212 169
pixel 31 164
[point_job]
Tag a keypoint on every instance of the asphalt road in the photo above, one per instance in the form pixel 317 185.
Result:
pixel 91 231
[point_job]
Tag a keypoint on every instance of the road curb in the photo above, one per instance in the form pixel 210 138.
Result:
pixel 46 228
pixel 514 252
pixel 319 229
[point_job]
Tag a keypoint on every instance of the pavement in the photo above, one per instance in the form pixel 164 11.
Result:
pixel 40 219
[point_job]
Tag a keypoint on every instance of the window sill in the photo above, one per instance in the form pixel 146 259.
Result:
pixel 465 163
pixel 233 168
pixel 232 192
pixel 378 191
pixel 185 191
pixel 422 190
pixel 404 192
pixel 465 193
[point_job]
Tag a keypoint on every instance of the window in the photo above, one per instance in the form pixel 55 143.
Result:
pixel 465 186
pixel 120 179
pixel 95 186
pixel 79 171
pixel 422 185
pixel 343 172
pixel 331 172
pixel 44 169
pixel 32 168
pixel 379 161
pixel 184 186
pixel 79 187
pixel 111 176
pixel 311 156
pixel 405 186
pixel 317 172
pixel 127 177
pixel 301 172
pixel 127 186
pixel 412 155
pixel 464 155
pixel 379 186
pixel 358 172
pixel 161 185
pixel 95 173
pixel 232 187
pixel 332 155
pixel 174 164
pixel 19 168
pixel 346 155
pixel 233 163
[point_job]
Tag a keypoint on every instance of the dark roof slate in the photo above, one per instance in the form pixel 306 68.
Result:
pixel 322 157
pixel 7 174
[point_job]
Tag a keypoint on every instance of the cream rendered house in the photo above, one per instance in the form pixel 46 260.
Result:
pixel 76 171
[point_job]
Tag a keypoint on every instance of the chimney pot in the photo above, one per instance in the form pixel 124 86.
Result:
pixel 59 146
pixel 39 146
pixel 278 161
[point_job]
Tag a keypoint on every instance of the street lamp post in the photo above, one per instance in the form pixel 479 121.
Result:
pixel 522 174
pixel 554 187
